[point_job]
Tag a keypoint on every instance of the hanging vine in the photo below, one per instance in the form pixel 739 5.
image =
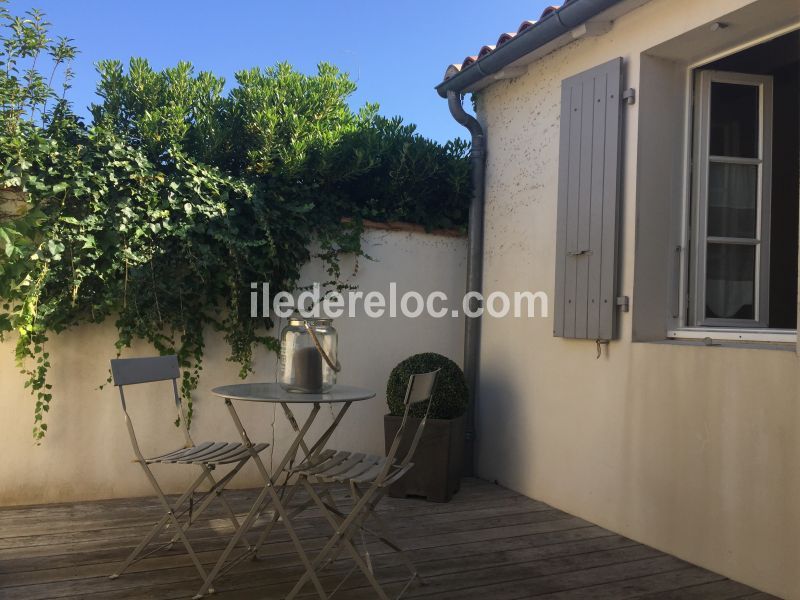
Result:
pixel 161 209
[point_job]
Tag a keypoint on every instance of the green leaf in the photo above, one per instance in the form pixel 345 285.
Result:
pixel 55 248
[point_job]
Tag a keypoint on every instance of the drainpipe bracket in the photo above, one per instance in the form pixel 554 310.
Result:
pixel 591 29
pixel 510 72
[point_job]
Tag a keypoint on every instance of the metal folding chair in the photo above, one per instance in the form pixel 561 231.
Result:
pixel 206 455
pixel 368 478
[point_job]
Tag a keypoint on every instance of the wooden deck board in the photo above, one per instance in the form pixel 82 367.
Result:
pixel 488 543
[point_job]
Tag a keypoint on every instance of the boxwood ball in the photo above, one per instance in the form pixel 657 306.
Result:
pixel 449 396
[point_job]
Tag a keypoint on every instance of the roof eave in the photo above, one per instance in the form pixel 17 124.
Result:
pixel 556 24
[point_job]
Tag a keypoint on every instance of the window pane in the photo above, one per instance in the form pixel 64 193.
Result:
pixel 730 281
pixel 734 120
pixel 732 200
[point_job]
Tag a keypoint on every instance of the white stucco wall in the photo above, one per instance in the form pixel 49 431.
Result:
pixel 694 450
pixel 87 453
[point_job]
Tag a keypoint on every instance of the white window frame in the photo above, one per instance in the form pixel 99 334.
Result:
pixel 677 304
pixel 698 233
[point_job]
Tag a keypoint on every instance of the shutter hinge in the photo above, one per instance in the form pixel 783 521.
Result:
pixel 624 303
pixel 629 96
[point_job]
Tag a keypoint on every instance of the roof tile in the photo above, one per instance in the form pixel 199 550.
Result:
pixel 504 38
pixel 484 51
pixel 548 11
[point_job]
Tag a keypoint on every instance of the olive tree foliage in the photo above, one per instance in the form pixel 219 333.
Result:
pixel 181 190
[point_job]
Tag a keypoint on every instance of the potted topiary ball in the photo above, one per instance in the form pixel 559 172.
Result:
pixel 438 461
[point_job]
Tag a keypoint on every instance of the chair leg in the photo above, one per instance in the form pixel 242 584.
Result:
pixel 132 557
pixel 170 510
pixel 383 535
pixel 310 572
pixel 268 529
pixel 208 580
pixel 357 496
pixel 364 566
pixel 344 531
pixel 219 492
pixel 216 491
pixel 156 529
pixel 196 561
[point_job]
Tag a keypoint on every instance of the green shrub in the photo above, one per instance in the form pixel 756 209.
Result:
pixel 159 211
pixel 449 396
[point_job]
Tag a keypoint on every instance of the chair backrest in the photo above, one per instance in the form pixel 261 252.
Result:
pixel 128 371
pixel 420 389
pixel 132 371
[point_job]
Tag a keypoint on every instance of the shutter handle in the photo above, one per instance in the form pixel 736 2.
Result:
pixel 578 252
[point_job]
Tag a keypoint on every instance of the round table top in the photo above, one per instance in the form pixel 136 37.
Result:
pixel 272 392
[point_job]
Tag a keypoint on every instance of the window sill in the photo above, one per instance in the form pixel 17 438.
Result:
pixel 786 336
pixel 776 339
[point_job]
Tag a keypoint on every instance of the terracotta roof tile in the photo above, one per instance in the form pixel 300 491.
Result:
pixel 547 11
pixel 452 70
pixel 504 38
pixel 484 51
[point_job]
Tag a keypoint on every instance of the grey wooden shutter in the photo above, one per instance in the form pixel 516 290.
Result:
pixel 588 192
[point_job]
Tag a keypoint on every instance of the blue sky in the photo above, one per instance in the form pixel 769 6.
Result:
pixel 396 50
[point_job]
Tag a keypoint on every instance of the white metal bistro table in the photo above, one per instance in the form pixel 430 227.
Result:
pixel 272 393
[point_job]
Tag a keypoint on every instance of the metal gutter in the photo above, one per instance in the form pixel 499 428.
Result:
pixel 562 21
pixel 472 325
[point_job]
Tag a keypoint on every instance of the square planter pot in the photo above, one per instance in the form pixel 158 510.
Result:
pixel 438 461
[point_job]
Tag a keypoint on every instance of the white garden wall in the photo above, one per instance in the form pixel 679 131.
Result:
pixel 87 455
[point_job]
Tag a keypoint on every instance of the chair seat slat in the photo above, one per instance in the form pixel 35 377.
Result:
pixel 314 461
pixel 242 454
pixel 332 462
pixel 370 474
pixel 359 468
pixel 178 452
pixel 209 455
pixel 344 467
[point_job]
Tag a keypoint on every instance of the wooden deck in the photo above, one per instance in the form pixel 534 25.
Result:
pixel 489 543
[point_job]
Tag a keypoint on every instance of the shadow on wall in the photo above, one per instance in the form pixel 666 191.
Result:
pixel 496 403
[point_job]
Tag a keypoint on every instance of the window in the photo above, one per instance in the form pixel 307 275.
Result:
pixel 741 255
pixel 732 192
pixel 718 189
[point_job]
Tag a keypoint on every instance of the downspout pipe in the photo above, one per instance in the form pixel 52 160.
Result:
pixel 472 325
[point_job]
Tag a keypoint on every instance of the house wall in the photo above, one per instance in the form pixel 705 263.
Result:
pixel 692 449
pixel 87 454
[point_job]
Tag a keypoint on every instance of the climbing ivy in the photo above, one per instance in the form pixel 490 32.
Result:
pixel 179 191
